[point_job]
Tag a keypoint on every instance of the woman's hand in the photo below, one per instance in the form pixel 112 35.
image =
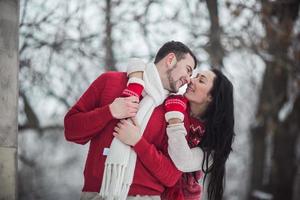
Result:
pixel 127 131
pixel 175 106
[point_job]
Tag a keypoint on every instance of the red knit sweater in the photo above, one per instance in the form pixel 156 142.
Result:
pixel 90 120
pixel 187 187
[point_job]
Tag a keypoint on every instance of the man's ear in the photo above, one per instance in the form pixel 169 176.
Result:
pixel 174 61
pixel 171 60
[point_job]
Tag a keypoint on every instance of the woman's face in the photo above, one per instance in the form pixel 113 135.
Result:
pixel 198 90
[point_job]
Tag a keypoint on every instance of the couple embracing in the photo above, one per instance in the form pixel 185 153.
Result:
pixel 146 142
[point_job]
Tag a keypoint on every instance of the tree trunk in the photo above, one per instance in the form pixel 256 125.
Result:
pixel 108 41
pixel 214 48
pixel 9 24
pixel 285 166
pixel 275 178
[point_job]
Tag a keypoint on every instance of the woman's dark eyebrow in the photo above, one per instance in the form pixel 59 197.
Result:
pixel 203 76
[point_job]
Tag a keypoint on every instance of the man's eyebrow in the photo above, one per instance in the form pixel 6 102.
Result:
pixel 190 67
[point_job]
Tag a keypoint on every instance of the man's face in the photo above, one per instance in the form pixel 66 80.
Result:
pixel 180 73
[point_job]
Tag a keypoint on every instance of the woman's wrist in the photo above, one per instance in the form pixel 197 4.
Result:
pixel 174 121
pixel 137 74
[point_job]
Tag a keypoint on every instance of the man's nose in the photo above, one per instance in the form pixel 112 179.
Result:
pixel 188 79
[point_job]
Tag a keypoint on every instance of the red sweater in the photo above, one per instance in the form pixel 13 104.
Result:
pixel 187 187
pixel 91 120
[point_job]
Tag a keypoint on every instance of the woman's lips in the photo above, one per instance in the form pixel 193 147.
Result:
pixel 189 88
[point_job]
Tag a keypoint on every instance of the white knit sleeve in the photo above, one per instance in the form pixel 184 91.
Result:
pixel 185 158
pixel 135 65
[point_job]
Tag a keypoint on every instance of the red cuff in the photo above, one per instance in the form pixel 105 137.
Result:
pixel 106 113
pixel 141 146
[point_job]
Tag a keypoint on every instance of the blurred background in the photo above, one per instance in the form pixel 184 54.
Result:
pixel 65 45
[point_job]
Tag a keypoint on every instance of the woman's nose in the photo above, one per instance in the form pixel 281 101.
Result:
pixel 192 80
pixel 188 80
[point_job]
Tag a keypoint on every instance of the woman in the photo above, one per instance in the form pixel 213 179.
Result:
pixel 210 96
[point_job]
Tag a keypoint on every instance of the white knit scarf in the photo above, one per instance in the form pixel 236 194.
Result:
pixel 121 160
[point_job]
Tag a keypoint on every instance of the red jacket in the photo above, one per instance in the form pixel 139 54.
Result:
pixel 90 120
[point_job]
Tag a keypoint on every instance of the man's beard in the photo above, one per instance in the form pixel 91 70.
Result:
pixel 172 82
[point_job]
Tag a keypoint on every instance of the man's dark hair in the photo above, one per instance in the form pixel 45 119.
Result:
pixel 178 48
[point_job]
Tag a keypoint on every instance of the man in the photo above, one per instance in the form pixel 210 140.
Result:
pixel 95 115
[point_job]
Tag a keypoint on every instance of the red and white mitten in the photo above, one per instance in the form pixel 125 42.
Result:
pixel 175 107
pixel 135 87
pixel 135 65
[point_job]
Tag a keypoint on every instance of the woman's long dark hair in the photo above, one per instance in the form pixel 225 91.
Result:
pixel 216 143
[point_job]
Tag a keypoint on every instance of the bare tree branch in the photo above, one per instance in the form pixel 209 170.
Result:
pixel 23 128
pixel 32 118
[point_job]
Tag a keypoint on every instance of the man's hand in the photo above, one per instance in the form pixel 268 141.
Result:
pixel 124 107
pixel 127 131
